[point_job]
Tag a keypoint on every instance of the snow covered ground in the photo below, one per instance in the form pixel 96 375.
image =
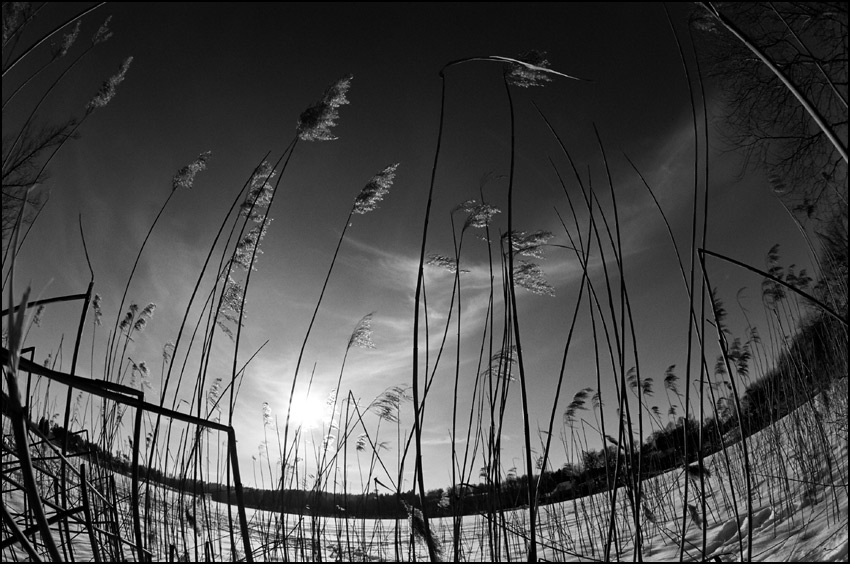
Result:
pixel 799 513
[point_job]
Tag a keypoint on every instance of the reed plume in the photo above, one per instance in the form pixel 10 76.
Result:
pixel 247 249
pixel 260 191
pixel 142 320
pixel 232 298
pixel 361 337
pixel 387 405
pixel 530 244
pixel 103 33
pixel 107 90
pixel 670 379
pixel 185 177
pixel 480 216
pixel 578 404
pixel 531 69
pixel 96 309
pixel 442 261
pixel 530 276
pixel 315 122
pixel 68 40
pixel 375 190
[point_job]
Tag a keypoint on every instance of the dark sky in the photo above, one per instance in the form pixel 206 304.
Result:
pixel 233 79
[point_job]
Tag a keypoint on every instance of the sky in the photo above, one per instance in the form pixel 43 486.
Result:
pixel 233 80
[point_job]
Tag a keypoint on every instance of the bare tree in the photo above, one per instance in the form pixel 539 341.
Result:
pixel 23 173
pixel 783 70
pixel 28 146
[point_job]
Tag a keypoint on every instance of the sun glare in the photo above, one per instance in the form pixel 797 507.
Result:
pixel 309 412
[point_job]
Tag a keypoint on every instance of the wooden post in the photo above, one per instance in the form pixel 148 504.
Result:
pixel 134 493
pixel 240 500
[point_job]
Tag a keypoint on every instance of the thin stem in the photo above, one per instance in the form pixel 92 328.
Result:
pixel 532 512
pixel 417 424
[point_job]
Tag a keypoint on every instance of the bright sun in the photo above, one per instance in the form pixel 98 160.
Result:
pixel 308 412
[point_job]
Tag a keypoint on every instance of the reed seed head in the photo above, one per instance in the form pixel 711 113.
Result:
pixel 530 244
pixel 772 291
pixel 646 386
pixel 140 374
pixel 596 400
pixel 98 313
pixel 231 305
pixel 388 403
pixel 631 378
pixel 146 314
pixel 107 91
pixel 102 34
pixel 125 323
pixel 185 177
pixel 68 40
pixel 167 351
pixel 466 206
pixel 530 276
pixel 375 190
pixel 360 445
pixel 670 379
pixel 259 193
pixel 247 250
pixel 480 216
pixel 268 420
pixel 719 310
pixel 720 366
pixel 529 71
pixel 442 261
pixel 362 335
pixel 13 13
pixel 36 320
pixel 576 405
pixel 315 122
pixel 213 394
pixel 501 364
